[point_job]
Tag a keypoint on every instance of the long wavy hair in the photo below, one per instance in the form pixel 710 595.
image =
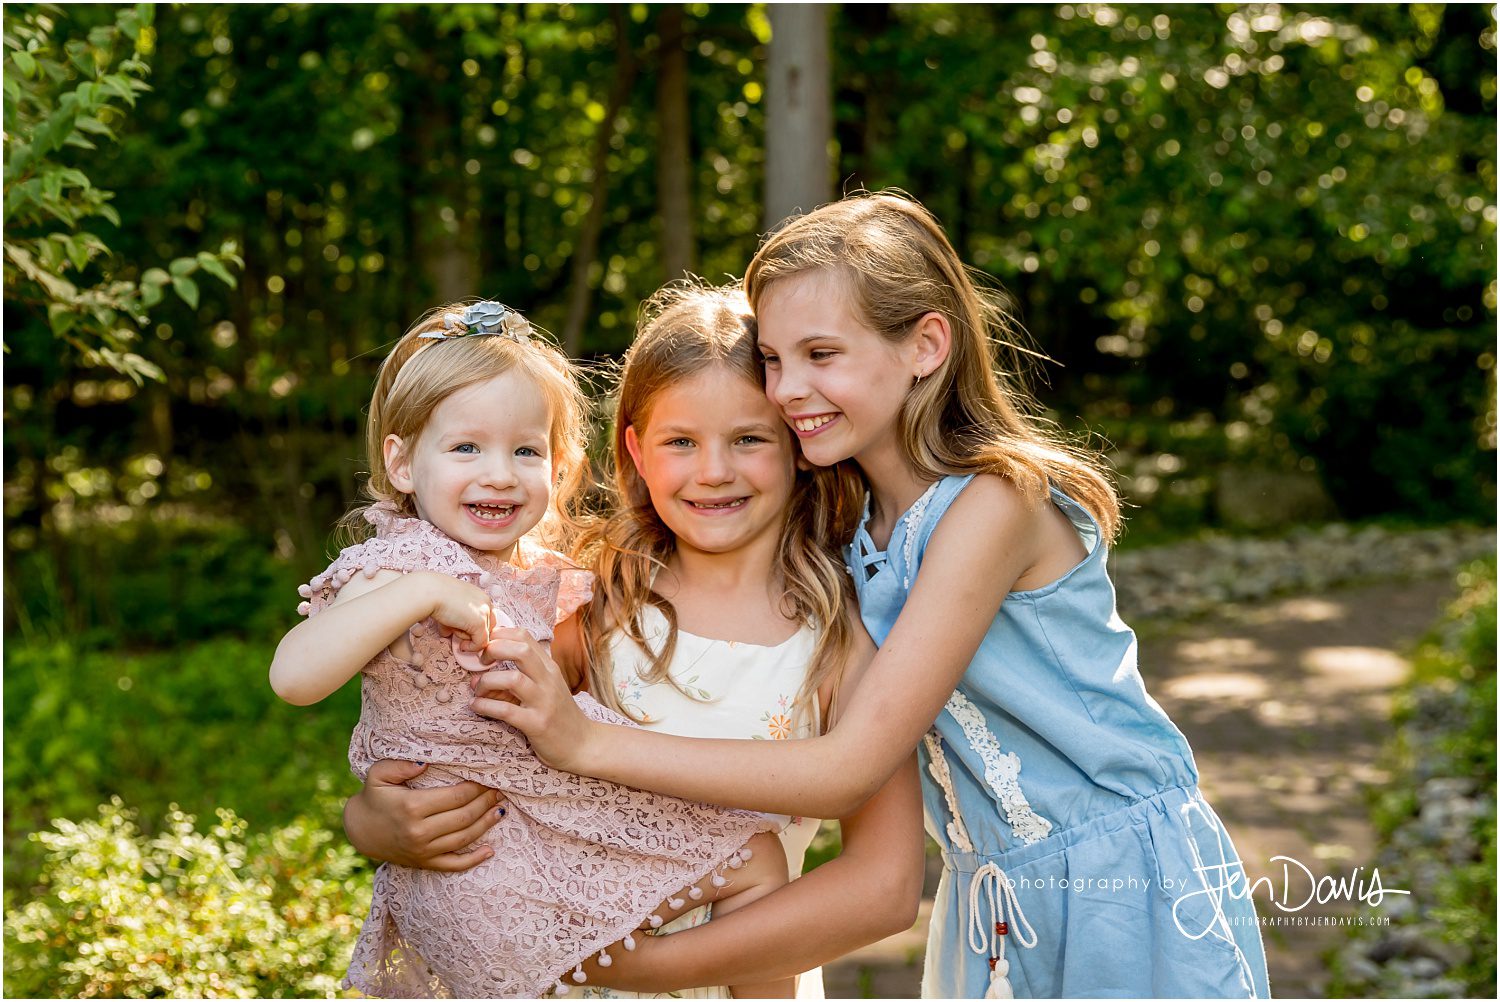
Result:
pixel 974 413
pixel 685 329
pixel 421 373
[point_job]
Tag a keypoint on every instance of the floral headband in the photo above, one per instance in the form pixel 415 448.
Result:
pixel 487 317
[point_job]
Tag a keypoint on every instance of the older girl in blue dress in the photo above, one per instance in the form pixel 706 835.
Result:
pixel 1079 857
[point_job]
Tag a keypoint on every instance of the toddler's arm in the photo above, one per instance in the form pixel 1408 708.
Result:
pixel 324 651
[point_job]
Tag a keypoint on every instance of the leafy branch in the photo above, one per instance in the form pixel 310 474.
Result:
pixel 63 94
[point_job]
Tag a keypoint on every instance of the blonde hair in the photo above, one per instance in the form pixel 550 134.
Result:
pixel 973 414
pixel 683 330
pixel 421 373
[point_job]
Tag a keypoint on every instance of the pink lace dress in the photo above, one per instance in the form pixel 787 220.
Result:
pixel 579 863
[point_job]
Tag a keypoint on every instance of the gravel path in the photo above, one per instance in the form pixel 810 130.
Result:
pixel 1286 702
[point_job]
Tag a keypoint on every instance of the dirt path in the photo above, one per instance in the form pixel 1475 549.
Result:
pixel 1286 704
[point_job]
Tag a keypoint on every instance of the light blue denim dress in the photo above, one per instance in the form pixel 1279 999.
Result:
pixel 1079 859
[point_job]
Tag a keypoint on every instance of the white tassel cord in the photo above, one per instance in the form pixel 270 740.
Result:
pixel 987 935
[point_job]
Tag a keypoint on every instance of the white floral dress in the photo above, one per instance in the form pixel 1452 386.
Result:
pixel 733 690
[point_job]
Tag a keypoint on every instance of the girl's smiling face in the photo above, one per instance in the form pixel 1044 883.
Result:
pixel 837 383
pixel 481 469
pixel 716 460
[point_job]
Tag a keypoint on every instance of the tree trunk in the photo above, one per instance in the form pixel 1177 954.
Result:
pixel 867 31
pixel 673 155
pixel 581 293
pixel 799 111
pixel 444 240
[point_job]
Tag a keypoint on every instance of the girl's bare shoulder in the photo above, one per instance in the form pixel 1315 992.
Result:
pixel 997 501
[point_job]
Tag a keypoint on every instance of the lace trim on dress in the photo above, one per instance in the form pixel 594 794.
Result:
pixel 912 519
pixel 958 835
pixel 1002 771
pixel 576 587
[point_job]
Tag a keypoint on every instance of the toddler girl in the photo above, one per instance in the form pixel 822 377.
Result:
pixel 474 422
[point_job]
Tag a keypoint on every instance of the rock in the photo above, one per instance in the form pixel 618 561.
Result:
pixel 1426 968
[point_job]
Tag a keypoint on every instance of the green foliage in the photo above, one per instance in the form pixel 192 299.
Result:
pixel 65 93
pixel 197 726
pixel 1273 226
pixel 122 914
pixel 1280 218
pixel 1460 659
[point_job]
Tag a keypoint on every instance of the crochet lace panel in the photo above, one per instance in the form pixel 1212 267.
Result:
pixel 578 862
pixel 1002 771
pixel 958 835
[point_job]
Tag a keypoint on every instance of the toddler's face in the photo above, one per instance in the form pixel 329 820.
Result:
pixel 717 460
pixel 836 382
pixel 481 470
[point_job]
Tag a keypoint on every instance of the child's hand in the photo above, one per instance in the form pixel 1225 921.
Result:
pixel 428 829
pixel 533 699
pixel 460 608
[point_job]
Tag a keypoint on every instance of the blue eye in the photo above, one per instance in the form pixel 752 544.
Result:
pixel 678 442
pixel 527 450
pixel 466 448
pixel 821 354
pixel 751 439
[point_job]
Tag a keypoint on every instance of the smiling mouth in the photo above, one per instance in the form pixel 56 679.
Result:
pixel 493 512
pixel 813 423
pixel 716 505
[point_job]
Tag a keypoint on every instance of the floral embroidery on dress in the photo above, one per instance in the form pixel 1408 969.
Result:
pixel 779 722
pixel 629 692
pixel 1002 771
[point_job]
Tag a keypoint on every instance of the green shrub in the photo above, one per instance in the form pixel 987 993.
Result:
pixel 198 726
pixel 186 914
pixel 1445 717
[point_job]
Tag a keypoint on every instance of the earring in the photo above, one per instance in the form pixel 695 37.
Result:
pixel 919 378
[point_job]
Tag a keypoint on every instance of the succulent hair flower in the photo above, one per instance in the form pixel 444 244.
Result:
pixel 487 317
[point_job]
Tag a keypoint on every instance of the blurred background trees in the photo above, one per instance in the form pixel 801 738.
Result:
pixel 1254 236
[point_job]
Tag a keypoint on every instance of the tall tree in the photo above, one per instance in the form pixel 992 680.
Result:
pixel 673 146
pixel 799 111
pixel 581 291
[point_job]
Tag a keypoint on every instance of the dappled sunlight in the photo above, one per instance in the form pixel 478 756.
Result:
pixel 1355 668
pixel 1223 651
pixel 1276 713
pixel 1238 686
pixel 1308 609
